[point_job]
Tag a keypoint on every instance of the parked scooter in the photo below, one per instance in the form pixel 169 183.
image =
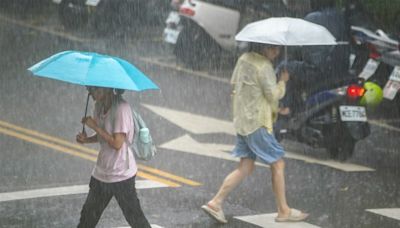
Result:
pixel 382 57
pixel 332 119
pixel 202 31
pixel 326 108
pixel 105 16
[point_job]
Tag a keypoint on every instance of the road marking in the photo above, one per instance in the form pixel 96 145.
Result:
pixel 193 123
pixel 152 226
pixel 181 69
pixel 43 29
pixel 47 137
pixel 393 213
pixel 268 220
pixel 67 190
pixel 384 125
pixel 187 144
pixel 168 175
pixel 347 167
pixel 199 124
pixel 26 135
pixel 145 175
pixel 47 144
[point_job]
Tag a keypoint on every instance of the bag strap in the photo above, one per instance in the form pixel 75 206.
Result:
pixel 138 119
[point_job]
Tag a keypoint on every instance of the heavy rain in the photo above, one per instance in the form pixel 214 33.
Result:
pixel 256 113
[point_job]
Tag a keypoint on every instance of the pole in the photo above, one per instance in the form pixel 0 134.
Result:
pixel 87 103
pixel 285 57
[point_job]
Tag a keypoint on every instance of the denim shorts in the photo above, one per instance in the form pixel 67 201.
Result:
pixel 259 144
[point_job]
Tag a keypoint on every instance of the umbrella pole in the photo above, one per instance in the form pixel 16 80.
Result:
pixel 87 103
pixel 285 57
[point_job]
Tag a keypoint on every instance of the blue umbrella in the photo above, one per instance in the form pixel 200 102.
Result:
pixel 93 69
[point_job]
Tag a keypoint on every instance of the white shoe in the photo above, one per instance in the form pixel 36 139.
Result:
pixel 217 215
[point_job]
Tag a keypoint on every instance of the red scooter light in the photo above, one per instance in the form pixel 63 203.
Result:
pixel 186 11
pixel 355 91
pixel 374 54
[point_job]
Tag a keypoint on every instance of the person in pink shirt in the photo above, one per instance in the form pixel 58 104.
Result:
pixel 115 170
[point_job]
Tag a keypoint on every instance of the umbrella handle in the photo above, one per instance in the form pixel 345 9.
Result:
pixel 87 103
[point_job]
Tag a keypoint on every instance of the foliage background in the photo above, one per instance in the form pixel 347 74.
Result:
pixel 385 13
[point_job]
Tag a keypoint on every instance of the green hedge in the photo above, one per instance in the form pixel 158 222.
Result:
pixel 385 13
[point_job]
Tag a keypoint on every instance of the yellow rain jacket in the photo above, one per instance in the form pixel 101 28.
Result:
pixel 255 94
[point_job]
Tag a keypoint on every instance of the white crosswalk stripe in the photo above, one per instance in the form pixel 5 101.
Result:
pixel 198 124
pixel 152 226
pixel 66 190
pixel 393 213
pixel 193 123
pixel 187 144
pixel 268 220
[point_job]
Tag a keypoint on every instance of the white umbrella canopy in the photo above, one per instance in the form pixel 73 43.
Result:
pixel 286 31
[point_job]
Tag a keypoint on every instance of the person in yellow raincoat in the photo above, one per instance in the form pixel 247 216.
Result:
pixel 255 96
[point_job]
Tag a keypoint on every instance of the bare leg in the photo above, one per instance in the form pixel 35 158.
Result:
pixel 245 168
pixel 278 186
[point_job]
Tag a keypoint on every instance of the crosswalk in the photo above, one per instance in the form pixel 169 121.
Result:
pixel 152 226
pixel 393 213
pixel 187 144
pixel 197 124
pixel 66 190
pixel 268 220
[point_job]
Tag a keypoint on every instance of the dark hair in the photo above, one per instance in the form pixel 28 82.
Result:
pixel 259 47
pixel 114 90
pixel 118 91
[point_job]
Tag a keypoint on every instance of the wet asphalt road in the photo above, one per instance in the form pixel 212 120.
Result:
pixel 31 107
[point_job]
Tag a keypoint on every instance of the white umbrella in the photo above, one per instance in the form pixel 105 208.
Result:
pixel 286 31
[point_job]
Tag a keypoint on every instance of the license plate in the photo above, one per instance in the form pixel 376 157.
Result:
pixel 395 75
pixel 173 29
pixel 353 113
pixel 57 1
pixel 390 90
pixel 171 35
pixel 92 2
pixel 369 69
pixel 173 17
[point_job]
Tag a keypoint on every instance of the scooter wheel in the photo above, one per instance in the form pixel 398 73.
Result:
pixel 342 151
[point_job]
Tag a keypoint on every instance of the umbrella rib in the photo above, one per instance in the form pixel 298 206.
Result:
pixel 41 65
pixel 122 62
pixel 87 71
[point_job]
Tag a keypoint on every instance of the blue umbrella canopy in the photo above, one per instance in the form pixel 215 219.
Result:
pixel 93 69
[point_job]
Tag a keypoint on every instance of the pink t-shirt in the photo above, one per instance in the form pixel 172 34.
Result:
pixel 112 165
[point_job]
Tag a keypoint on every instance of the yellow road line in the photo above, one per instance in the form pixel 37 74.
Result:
pixel 47 137
pixel 78 154
pixel 169 176
pixel 47 144
pixel 25 134
pixel 158 179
